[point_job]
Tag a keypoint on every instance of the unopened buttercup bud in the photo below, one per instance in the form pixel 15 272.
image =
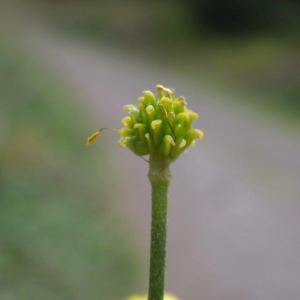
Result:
pixel 161 126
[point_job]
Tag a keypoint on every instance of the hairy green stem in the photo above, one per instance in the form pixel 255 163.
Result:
pixel 159 176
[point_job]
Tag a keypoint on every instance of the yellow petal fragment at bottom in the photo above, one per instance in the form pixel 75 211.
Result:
pixel 144 297
pixel 199 134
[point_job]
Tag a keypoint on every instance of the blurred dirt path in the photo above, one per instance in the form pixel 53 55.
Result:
pixel 234 226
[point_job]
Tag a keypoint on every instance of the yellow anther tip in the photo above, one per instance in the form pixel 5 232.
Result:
pixel 147 92
pixel 130 108
pixel 156 124
pixel 160 87
pixel 150 109
pixel 126 121
pixel 92 138
pixel 182 144
pixel 199 134
pixel 164 89
pixel 139 125
pixel 170 139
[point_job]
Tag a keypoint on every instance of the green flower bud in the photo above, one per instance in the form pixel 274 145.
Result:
pixel 161 126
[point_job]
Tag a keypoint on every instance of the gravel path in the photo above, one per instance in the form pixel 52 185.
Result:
pixel 234 226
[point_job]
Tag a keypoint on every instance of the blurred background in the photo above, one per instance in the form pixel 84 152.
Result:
pixel 75 221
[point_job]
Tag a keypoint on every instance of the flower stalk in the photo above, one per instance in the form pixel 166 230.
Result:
pixel 159 176
pixel 160 127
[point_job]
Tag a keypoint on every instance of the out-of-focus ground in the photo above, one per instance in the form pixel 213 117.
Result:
pixel 235 198
pixel 234 204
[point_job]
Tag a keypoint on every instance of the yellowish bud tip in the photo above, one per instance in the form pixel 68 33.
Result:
pixel 156 124
pixel 164 111
pixel 182 99
pixel 193 115
pixel 141 99
pixel 126 121
pixel 130 108
pixel 162 89
pixel 199 134
pixel 139 125
pixel 169 139
pixel 147 93
pixel 150 110
pixel 122 142
pixel 92 138
pixel 182 144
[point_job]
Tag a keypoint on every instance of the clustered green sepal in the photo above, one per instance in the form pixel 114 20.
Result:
pixel 160 126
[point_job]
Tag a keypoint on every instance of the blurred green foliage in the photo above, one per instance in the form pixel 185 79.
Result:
pixel 260 71
pixel 59 238
pixel 248 47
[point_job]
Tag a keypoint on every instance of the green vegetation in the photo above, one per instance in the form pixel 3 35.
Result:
pixel 261 71
pixel 59 239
